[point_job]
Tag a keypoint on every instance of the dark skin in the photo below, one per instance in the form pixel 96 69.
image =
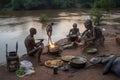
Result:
pixel 74 31
pixel 89 29
pixel 32 47
pixel 49 30
pixel 93 34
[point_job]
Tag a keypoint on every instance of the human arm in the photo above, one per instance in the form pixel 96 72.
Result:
pixel 36 44
pixel 40 42
pixel 84 33
pixel 90 34
pixel 78 32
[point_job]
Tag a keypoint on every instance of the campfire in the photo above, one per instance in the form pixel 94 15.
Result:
pixel 52 47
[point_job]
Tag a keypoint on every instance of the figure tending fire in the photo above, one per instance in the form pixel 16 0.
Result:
pixel 52 47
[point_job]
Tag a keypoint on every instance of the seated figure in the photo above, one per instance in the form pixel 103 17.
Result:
pixel 32 47
pixel 92 34
pixel 73 33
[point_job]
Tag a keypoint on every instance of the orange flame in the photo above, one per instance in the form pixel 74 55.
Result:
pixel 52 44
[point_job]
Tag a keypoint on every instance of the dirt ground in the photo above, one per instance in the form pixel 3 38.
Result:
pixel 92 73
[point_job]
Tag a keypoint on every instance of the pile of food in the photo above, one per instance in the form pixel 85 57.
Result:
pixel 52 63
pixel 67 58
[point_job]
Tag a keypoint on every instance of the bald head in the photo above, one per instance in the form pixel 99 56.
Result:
pixel 88 23
pixel 75 25
pixel 33 31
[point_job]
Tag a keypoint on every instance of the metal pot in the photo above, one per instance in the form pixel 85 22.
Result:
pixel 78 62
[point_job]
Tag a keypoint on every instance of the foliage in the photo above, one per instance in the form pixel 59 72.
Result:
pixel 63 3
pixel 117 3
pixel 15 4
pixel 107 4
pixel 42 4
pixel 3 3
pixel 33 4
pixel 86 3
pixel 43 18
pixel 96 15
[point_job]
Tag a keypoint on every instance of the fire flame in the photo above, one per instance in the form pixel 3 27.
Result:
pixel 52 44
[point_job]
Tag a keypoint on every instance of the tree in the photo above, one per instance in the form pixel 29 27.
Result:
pixel 86 3
pixel 63 3
pixel 107 4
pixel 96 14
pixel 16 4
pixel 3 3
pixel 117 3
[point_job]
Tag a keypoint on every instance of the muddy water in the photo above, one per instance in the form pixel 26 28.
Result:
pixel 15 27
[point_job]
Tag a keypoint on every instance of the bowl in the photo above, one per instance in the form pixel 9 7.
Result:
pixel 92 50
pixel 78 62
pixel 67 58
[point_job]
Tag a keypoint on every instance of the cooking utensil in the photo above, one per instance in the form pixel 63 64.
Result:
pixel 92 50
pixel 67 58
pixel 78 62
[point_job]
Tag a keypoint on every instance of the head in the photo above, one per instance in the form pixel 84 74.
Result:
pixel 74 25
pixel 52 23
pixel 88 24
pixel 33 31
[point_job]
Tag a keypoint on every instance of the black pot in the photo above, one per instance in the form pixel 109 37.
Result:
pixel 81 62
pixel 56 52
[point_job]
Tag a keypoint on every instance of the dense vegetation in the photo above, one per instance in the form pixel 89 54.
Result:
pixel 54 4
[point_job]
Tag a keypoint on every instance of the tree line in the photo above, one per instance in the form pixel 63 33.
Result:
pixel 52 4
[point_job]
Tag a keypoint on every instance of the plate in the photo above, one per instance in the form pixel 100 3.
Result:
pixel 52 63
pixel 67 58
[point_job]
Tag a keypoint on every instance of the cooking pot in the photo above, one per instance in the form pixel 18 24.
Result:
pixel 78 62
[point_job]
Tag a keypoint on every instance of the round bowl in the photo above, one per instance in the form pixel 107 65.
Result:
pixel 78 62
pixel 92 50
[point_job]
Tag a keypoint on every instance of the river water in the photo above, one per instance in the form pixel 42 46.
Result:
pixel 15 25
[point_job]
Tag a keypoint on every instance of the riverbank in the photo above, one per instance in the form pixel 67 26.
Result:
pixel 92 73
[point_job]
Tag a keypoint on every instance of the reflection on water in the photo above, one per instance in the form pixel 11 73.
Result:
pixel 10 34
pixel 16 28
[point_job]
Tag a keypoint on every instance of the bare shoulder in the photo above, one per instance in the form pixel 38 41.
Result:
pixel 29 38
